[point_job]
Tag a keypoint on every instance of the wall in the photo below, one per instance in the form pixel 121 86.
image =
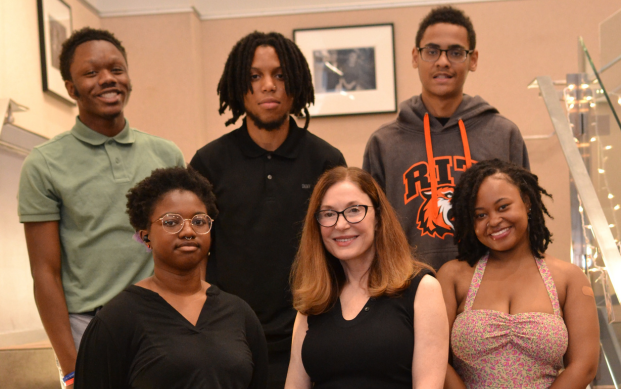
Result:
pixel 20 80
pixel 165 65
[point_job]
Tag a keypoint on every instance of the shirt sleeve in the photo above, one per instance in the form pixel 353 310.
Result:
pixel 372 162
pixel 100 364
pixel 519 153
pixel 37 198
pixel 258 348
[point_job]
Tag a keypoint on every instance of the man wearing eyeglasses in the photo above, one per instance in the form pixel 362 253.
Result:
pixel 419 157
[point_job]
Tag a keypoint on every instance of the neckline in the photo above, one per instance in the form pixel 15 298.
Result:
pixel 211 292
pixel 361 316
pixel 546 277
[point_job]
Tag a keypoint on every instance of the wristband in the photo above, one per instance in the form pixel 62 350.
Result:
pixel 69 377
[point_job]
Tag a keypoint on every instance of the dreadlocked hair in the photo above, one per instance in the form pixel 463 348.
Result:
pixel 470 249
pixel 235 80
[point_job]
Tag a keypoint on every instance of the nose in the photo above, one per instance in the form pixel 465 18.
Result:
pixel 106 77
pixel 443 59
pixel 341 223
pixel 494 219
pixel 187 230
pixel 268 84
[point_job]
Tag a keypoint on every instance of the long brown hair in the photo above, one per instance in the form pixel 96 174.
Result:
pixel 317 277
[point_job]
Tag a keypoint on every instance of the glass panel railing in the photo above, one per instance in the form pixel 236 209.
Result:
pixel 600 146
pixel 600 138
pixel 594 246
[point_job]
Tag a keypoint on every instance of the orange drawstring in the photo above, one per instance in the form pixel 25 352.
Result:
pixel 464 140
pixel 432 165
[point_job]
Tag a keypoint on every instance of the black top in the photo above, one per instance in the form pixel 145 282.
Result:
pixel 139 341
pixel 262 197
pixel 374 350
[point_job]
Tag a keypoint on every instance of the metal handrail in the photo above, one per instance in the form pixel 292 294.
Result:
pixel 586 191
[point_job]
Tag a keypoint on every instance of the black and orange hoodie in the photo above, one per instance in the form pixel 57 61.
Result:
pixel 399 154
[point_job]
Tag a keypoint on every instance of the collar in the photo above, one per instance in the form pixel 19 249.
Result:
pixel 85 134
pixel 288 149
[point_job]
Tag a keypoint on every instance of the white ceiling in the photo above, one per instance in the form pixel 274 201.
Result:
pixel 222 9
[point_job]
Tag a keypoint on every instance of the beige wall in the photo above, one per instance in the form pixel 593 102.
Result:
pixel 166 69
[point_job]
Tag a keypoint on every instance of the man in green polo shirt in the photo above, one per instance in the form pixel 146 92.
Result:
pixel 72 195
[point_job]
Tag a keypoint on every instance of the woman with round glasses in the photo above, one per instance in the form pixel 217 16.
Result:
pixel 173 329
pixel 356 287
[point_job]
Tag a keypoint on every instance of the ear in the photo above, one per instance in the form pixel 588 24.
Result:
pixel 474 60
pixel 527 204
pixel 143 234
pixel 71 90
pixel 415 57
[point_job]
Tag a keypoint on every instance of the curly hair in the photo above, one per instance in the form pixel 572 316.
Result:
pixel 470 249
pixel 235 80
pixel 317 277
pixel 84 35
pixel 143 198
pixel 450 15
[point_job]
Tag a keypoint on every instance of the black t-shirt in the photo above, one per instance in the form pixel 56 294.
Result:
pixel 372 351
pixel 262 198
pixel 138 340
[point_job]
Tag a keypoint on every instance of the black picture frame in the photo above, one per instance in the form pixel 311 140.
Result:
pixel 353 68
pixel 55 26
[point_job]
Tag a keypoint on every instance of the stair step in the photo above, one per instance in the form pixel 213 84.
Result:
pixel 28 368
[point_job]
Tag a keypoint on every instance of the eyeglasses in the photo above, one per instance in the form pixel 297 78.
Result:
pixel 354 214
pixel 454 55
pixel 173 223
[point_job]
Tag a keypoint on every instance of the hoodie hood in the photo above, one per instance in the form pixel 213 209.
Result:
pixel 412 113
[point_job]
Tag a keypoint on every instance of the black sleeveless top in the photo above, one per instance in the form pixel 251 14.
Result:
pixel 374 350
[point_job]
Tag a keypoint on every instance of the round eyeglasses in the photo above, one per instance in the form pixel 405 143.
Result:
pixel 454 55
pixel 354 214
pixel 173 223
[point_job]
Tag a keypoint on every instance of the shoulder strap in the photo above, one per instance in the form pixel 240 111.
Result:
pixel 476 282
pixel 549 283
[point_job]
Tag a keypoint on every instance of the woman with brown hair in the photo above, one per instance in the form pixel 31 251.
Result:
pixel 356 287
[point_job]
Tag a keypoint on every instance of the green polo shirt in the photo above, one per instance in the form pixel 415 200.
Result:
pixel 80 178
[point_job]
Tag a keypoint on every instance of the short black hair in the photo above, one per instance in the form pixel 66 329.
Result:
pixel 84 35
pixel 235 80
pixel 450 15
pixel 142 198
pixel 470 249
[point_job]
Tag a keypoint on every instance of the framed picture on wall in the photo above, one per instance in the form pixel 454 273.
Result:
pixel 353 68
pixel 55 26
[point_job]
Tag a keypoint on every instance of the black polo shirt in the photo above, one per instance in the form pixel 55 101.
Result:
pixel 262 197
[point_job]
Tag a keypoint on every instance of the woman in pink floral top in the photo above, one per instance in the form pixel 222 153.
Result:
pixel 518 316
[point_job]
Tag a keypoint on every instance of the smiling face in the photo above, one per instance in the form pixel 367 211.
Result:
pixel 442 78
pixel 268 105
pixel 344 240
pixel 99 82
pixel 501 216
pixel 183 251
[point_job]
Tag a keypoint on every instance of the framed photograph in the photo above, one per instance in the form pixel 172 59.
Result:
pixel 353 68
pixel 54 28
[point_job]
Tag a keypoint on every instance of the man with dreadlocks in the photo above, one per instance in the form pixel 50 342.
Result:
pixel 263 174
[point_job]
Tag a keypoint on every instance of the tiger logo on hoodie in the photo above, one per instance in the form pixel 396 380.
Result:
pixel 440 224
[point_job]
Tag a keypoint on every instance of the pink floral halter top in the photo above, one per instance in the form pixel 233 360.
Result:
pixel 493 349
